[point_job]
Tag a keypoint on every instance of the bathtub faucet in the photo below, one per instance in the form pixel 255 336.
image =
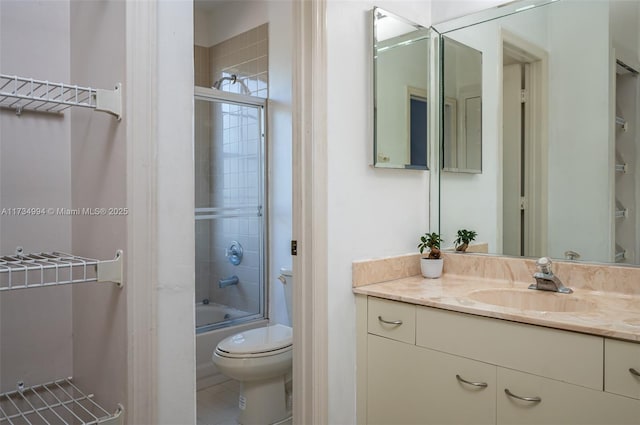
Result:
pixel 233 280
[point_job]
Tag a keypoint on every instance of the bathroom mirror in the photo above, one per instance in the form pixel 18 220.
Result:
pixel 560 144
pixel 462 107
pixel 401 77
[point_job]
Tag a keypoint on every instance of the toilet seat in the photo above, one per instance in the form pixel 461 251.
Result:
pixel 261 342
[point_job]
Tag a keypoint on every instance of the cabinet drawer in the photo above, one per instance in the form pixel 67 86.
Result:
pixel 561 355
pixel 458 391
pixel 560 403
pixel 619 357
pixel 392 319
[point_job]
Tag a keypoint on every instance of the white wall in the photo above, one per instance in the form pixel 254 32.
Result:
pixel 98 162
pixel 228 19
pixel 35 324
pixel 371 212
pixel 624 18
pixel 579 133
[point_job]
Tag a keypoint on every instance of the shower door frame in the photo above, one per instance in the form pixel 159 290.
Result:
pixel 213 95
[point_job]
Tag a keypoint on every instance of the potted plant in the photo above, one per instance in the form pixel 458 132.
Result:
pixel 465 237
pixel 431 265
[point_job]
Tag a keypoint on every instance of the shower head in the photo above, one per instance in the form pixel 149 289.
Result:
pixel 234 79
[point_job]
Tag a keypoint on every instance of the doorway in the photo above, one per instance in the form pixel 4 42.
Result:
pixel 524 148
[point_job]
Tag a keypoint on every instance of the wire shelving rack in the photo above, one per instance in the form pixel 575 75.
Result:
pixel 28 94
pixel 56 402
pixel 22 271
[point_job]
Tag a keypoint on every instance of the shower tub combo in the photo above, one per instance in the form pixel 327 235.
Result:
pixel 229 221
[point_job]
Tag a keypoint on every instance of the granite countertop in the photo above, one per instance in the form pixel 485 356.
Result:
pixel 602 313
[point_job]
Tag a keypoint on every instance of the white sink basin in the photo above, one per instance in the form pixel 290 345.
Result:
pixel 532 300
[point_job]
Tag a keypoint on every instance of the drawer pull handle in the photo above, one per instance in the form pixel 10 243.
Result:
pixel 634 372
pixel 475 384
pixel 389 322
pixel 531 399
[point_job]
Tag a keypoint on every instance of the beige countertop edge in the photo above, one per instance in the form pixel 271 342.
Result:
pixel 450 293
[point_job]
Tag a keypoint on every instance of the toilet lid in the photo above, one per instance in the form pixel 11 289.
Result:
pixel 261 340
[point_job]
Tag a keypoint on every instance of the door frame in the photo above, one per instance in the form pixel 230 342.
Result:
pixel 310 265
pixel 537 150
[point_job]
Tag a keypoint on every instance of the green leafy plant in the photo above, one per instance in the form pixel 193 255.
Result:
pixel 465 237
pixel 431 241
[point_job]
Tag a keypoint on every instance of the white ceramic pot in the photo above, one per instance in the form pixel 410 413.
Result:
pixel 431 269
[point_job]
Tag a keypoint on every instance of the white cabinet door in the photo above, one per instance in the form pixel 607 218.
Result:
pixel 395 382
pixel 412 385
pixel 458 390
pixel 559 402
pixel 622 368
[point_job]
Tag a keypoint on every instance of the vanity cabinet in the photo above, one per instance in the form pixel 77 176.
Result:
pixel 458 368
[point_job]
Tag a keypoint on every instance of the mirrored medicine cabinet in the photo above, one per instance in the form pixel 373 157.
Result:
pixel 402 69
pixel 401 81
pixel 551 165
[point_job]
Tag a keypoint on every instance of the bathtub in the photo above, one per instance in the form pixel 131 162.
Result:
pixel 217 314
pixel 206 341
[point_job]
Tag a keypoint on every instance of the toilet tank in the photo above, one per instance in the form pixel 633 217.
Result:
pixel 286 277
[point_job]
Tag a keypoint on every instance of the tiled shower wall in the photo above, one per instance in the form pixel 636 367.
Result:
pixel 228 163
pixel 246 56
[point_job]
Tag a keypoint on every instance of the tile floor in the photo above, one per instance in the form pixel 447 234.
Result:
pixel 218 404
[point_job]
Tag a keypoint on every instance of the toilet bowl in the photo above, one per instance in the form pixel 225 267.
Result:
pixel 261 360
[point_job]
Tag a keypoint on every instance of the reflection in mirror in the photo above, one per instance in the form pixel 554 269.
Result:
pixel 401 76
pixel 560 145
pixel 462 110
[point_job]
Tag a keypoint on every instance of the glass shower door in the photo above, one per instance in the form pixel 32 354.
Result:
pixel 229 208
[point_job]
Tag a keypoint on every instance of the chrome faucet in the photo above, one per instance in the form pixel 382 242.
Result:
pixel 546 280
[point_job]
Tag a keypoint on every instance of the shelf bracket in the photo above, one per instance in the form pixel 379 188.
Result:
pixel 111 270
pixel 110 101
pixel 622 123
pixel 118 416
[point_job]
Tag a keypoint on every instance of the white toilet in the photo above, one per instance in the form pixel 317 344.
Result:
pixel 261 360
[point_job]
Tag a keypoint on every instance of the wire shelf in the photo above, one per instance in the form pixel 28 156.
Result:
pixel 21 93
pixel 56 402
pixel 21 271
